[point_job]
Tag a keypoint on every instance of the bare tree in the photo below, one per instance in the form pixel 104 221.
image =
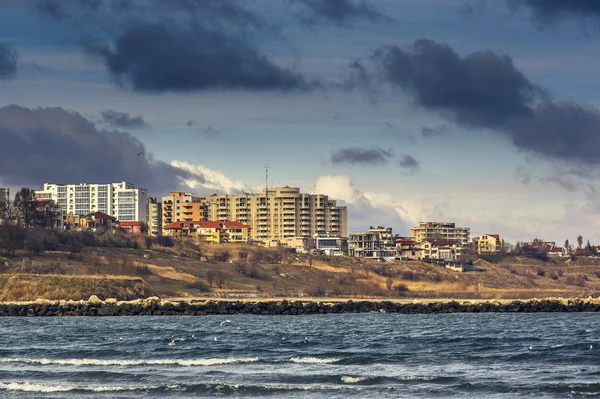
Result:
pixel 210 277
pixel 11 238
pixel 24 206
pixel 6 210
pixel 219 278
pixel 389 283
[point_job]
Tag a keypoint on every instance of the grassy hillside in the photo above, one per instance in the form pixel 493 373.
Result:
pixel 188 270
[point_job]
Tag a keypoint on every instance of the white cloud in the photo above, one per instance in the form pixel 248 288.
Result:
pixel 203 177
pixel 364 209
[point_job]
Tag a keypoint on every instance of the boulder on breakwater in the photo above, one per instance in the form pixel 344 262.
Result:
pixel 154 306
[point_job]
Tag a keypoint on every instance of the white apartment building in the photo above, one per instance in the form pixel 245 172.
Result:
pixel 121 200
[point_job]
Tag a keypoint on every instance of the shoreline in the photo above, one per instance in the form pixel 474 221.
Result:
pixel 154 306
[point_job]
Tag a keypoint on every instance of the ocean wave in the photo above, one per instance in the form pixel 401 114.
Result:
pixel 316 360
pixel 31 387
pixel 353 380
pixel 140 362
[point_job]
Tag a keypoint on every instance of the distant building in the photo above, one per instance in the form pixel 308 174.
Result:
pixel 378 242
pixel 48 215
pixel 132 227
pixel 332 246
pixel 154 217
pixel 182 207
pixel 440 231
pixel 488 243
pixel 281 213
pixel 300 244
pixel 120 200
pixel 236 232
pixel 449 250
pixel 209 231
pixel 92 222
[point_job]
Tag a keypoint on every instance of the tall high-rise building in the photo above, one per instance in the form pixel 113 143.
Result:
pixel 121 200
pixel 279 213
pixel 154 217
pixel 4 194
pixel 440 231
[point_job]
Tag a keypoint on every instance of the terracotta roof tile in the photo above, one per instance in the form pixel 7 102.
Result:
pixel 131 224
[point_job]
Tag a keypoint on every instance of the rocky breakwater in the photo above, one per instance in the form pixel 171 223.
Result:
pixel 154 306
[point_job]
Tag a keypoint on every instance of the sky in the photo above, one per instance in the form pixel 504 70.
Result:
pixel 483 113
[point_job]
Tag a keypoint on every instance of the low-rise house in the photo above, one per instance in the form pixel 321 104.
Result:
pixel 93 222
pixel 236 231
pixel 332 246
pixel 556 252
pixel 209 231
pixel 450 250
pixel 488 244
pixel 132 227
pixel 204 230
pixel 48 215
pixel 376 243
pixel 301 244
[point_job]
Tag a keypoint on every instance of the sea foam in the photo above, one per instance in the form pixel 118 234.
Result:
pixel 316 360
pixel 353 380
pixel 31 387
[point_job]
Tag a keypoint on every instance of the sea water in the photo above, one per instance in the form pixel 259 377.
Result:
pixel 322 356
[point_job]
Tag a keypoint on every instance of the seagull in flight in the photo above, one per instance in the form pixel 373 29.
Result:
pixel 224 322
pixel 140 153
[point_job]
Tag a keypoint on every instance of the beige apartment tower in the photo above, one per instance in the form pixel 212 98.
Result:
pixel 440 231
pixel 154 217
pixel 182 207
pixel 279 213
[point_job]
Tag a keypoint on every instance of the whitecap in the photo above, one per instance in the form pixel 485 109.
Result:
pixel 416 378
pixel 353 380
pixel 31 387
pixel 316 360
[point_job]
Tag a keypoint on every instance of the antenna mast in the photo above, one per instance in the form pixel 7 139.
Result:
pixel 266 179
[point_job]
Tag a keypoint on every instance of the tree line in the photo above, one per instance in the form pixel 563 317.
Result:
pixel 23 211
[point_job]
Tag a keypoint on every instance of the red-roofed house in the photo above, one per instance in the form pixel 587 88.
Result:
pixel 98 220
pixel 131 227
pixel 236 231
pixel 204 230
pixel 488 243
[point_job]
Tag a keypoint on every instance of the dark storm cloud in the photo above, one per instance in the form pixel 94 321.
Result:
pixel 122 119
pixel 56 145
pixel 357 155
pixel 482 89
pixel 160 46
pixel 485 90
pixel 435 131
pixel 128 12
pixel 8 62
pixel 157 58
pixel 410 163
pixel 339 12
pixel 547 12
